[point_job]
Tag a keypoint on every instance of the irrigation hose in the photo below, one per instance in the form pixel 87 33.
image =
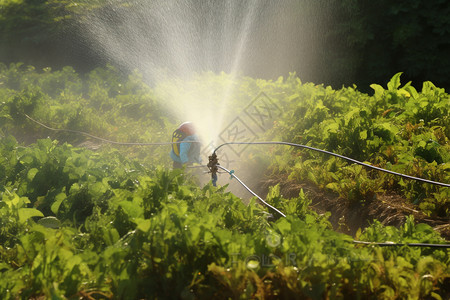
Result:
pixel 382 244
pixel 388 244
pixel 337 155
pixel 251 192
pixel 245 143
pixel 106 140
pixel 385 244
pixel 196 166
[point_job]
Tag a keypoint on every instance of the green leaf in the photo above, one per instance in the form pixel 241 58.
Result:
pixel 111 236
pixel 334 186
pixel 284 226
pixel 333 127
pixel 423 104
pixel 26 159
pixel 50 222
pixel 394 83
pixel 4 266
pixel 26 213
pixel 363 134
pixel 379 90
pixel 131 209
pixel 404 93
pixel 58 200
pixel 436 296
pixel 32 173
pixel 97 189
pixel 422 144
pixel 411 90
pixel 45 144
pixel 143 224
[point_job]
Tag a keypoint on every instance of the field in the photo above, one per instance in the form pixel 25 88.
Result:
pixel 84 219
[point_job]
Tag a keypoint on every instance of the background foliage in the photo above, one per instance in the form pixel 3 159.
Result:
pixel 347 42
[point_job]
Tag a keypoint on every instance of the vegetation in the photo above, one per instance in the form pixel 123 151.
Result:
pixel 398 128
pixel 80 224
pixel 111 223
pixel 102 103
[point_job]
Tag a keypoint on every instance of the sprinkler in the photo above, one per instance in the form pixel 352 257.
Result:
pixel 212 166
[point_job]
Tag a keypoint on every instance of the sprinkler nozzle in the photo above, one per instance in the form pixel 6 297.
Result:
pixel 212 166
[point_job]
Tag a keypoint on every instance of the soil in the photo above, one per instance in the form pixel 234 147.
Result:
pixel 389 209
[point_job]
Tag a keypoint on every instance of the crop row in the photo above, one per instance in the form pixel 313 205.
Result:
pixel 107 226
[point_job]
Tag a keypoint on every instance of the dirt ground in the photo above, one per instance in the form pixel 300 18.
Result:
pixel 389 209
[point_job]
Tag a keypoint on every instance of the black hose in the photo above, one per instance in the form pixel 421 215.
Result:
pixel 387 244
pixel 337 155
pixel 106 140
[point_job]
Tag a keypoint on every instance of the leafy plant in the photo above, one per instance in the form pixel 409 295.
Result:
pixel 79 223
